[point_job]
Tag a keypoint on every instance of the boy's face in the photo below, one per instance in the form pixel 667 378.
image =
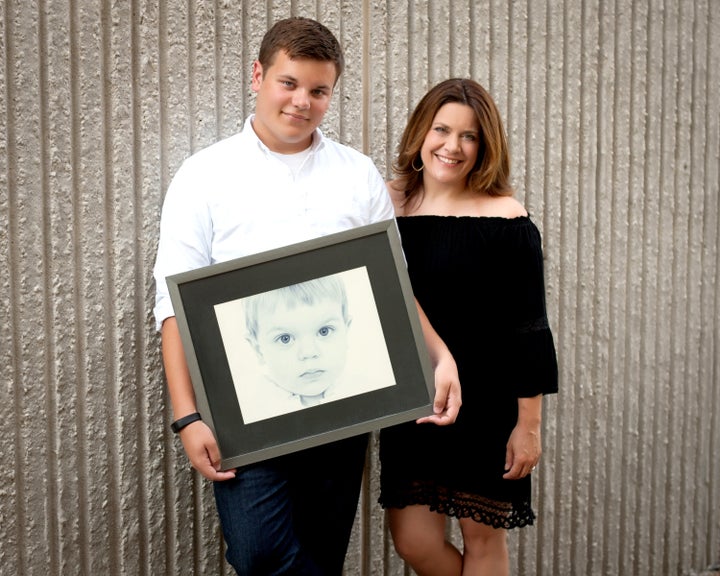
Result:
pixel 303 346
pixel 292 98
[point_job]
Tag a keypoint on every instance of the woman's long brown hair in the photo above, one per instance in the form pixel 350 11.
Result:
pixel 491 173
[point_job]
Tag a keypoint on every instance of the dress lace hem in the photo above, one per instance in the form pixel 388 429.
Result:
pixel 494 513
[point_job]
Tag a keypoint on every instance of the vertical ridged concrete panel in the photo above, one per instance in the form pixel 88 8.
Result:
pixel 613 119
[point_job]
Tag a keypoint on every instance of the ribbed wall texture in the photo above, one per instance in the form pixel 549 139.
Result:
pixel 613 115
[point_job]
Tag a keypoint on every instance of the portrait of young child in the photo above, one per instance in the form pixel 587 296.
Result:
pixel 307 347
pixel 300 333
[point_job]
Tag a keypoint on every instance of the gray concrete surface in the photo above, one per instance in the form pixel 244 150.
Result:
pixel 612 113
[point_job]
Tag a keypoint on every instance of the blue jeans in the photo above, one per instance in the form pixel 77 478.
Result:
pixel 293 514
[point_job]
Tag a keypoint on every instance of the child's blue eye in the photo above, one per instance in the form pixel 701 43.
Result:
pixel 284 339
pixel 325 330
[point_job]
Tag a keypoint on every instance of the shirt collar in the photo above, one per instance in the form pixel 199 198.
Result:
pixel 318 139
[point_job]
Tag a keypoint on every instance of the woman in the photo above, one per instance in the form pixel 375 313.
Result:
pixel 475 262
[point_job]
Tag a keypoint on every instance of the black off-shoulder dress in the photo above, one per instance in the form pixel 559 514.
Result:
pixel 480 281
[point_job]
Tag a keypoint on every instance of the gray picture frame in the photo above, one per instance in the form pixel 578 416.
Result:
pixel 196 293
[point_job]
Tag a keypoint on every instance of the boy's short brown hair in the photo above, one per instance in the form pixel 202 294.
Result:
pixel 301 38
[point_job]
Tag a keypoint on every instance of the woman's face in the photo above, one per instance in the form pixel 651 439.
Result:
pixel 450 148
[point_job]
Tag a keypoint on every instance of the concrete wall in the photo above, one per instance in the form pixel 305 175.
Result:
pixel 612 111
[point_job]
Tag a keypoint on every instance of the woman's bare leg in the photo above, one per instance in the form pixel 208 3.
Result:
pixel 419 538
pixel 485 550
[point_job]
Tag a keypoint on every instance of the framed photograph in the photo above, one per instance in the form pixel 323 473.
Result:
pixel 305 344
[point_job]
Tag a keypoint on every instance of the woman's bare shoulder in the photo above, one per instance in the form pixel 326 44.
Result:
pixel 506 207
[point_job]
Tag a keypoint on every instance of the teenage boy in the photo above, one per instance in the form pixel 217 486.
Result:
pixel 278 182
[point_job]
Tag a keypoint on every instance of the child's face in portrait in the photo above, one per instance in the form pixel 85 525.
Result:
pixel 304 346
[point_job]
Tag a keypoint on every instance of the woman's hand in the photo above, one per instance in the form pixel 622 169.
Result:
pixel 524 446
pixel 448 397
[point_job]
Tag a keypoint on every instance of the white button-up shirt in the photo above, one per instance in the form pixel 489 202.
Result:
pixel 235 198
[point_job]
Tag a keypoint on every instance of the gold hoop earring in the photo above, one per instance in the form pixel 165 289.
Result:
pixel 413 164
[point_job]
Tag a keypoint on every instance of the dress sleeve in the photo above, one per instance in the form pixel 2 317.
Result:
pixel 536 369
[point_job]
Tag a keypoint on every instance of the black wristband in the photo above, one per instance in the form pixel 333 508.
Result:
pixel 184 421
